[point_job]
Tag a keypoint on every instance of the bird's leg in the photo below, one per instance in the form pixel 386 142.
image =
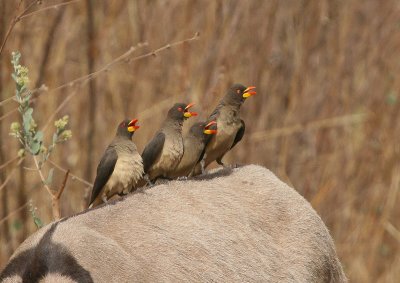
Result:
pixel 104 198
pixel 163 180
pixel 182 178
pixel 202 164
pixel 146 177
pixel 227 166
pixel 219 161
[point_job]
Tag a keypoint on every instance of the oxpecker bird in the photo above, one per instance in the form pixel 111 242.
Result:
pixel 230 127
pixel 194 144
pixel 164 152
pixel 121 166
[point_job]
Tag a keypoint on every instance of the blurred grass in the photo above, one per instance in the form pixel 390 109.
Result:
pixel 325 117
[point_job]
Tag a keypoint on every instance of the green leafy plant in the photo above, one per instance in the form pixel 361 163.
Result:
pixel 27 133
pixel 32 209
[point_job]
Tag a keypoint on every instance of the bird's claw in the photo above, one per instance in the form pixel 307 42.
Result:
pixel 149 183
pixel 231 166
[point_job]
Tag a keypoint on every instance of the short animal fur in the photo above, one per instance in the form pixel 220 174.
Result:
pixel 243 225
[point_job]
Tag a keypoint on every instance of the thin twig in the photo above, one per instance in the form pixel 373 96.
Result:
pixel 389 227
pixel 313 125
pixel 15 20
pixel 60 191
pixel 21 16
pixel 74 177
pixel 107 67
pixel 42 177
pixel 5 164
pixel 168 46
pixel 6 100
pixel 124 57
pixel 55 201
pixel 29 169
pixel 13 212
pixel 59 108
pixel 148 112
pixel 9 113
pixel 2 186
pixel 47 8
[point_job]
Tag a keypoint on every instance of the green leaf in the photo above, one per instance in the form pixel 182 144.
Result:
pixel 38 222
pixel 27 126
pixel 35 147
pixel 29 111
pixel 55 138
pixel 27 117
pixel 39 136
pixel 49 179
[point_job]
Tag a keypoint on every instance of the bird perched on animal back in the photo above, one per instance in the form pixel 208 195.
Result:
pixel 164 152
pixel 121 166
pixel 231 127
pixel 194 144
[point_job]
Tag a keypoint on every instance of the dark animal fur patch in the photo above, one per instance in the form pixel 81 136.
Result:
pixel 47 257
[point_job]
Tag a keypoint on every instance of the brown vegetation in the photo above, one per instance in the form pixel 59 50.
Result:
pixel 325 117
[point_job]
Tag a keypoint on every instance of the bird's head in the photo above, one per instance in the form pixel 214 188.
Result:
pixel 203 130
pixel 127 128
pixel 180 111
pixel 238 93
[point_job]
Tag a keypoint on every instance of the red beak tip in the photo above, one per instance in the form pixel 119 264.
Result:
pixel 189 105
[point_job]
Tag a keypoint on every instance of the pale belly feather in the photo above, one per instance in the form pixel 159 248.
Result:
pixel 221 142
pixel 127 172
pixel 170 157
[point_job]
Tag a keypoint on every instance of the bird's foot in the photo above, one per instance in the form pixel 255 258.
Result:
pixel 149 183
pixel 163 180
pixel 231 166
pixel 182 178
pixel 203 169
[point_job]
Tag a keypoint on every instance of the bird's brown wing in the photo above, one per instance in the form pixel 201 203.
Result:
pixel 104 171
pixel 153 150
pixel 214 115
pixel 239 134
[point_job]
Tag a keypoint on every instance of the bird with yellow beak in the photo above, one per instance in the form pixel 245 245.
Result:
pixel 121 166
pixel 164 152
pixel 194 144
pixel 231 127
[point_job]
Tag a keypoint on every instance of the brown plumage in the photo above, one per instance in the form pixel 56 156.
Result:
pixel 164 152
pixel 194 147
pixel 120 168
pixel 230 127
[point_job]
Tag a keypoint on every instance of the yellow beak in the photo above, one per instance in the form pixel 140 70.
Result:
pixel 132 126
pixel 249 91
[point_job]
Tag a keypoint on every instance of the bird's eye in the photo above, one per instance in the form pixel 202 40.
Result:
pixel 238 91
pixel 180 109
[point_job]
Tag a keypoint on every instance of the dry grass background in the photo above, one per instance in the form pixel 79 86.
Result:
pixel 325 118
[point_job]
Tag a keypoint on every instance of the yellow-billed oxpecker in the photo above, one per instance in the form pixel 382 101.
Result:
pixel 231 127
pixel 164 152
pixel 121 166
pixel 194 144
